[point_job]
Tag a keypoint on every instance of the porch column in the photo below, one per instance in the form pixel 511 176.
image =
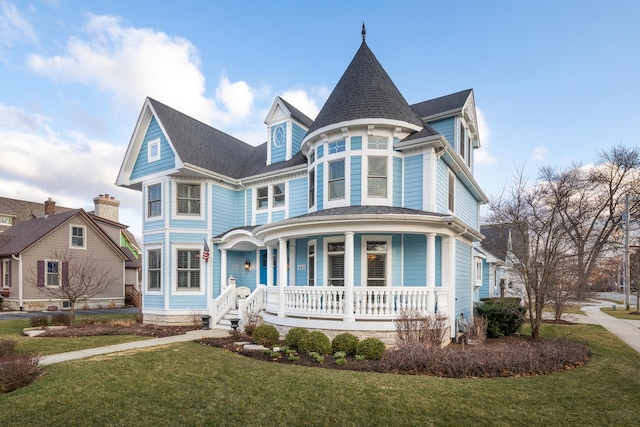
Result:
pixel 348 277
pixel 223 270
pixel 269 266
pixel 282 274
pixel 292 262
pixel 431 272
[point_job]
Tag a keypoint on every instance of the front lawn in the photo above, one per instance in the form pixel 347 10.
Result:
pixel 619 313
pixel 12 330
pixel 194 384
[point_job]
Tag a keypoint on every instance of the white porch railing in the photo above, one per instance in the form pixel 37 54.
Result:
pixel 369 303
pixel 224 302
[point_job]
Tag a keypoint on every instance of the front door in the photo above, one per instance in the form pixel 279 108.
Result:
pixel 263 267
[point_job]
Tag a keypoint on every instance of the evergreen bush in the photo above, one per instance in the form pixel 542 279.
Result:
pixel 371 348
pixel 266 335
pixel 504 316
pixel 315 341
pixel 294 336
pixel 345 342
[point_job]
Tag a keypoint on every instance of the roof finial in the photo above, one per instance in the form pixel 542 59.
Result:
pixel 364 32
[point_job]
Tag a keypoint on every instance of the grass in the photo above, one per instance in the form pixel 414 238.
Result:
pixel 193 384
pixel 621 314
pixel 570 309
pixel 12 329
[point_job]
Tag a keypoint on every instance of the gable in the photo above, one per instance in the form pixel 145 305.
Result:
pixel 155 154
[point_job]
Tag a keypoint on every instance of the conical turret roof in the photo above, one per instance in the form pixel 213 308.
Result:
pixel 365 91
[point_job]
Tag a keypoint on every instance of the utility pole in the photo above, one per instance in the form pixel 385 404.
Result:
pixel 627 275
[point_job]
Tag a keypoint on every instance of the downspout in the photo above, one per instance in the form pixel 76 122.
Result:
pixel 20 290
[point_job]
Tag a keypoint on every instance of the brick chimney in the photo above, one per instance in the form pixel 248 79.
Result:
pixel 49 207
pixel 107 207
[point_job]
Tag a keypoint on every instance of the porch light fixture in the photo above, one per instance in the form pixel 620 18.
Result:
pixel 247 265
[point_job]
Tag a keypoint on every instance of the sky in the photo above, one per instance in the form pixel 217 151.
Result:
pixel 555 81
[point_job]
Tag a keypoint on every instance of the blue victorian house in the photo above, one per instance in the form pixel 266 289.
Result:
pixel 337 223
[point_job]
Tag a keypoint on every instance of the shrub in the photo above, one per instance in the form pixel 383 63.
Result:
pixel 251 324
pixel 341 362
pixel 371 348
pixel 16 369
pixel 339 355
pixel 416 327
pixel 294 335
pixel 315 341
pixel 345 342
pixel 7 347
pixel 61 319
pixel 266 335
pixel 504 316
pixel 39 321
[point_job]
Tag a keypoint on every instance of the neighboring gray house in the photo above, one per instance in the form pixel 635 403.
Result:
pixel 505 245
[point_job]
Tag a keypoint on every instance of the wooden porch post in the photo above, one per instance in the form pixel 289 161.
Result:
pixel 431 272
pixel 348 277
pixel 282 274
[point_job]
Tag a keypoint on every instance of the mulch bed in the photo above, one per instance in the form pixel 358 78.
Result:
pixel 107 329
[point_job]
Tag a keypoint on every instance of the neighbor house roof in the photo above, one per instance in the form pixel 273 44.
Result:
pixel 23 235
pixel 365 91
pixel 23 210
pixel 501 238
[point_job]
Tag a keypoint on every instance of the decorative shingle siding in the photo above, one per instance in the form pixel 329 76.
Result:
pixel 397 182
pixel 297 134
pixel 463 279
pixel 415 259
pixel 446 128
pixel 413 182
pixel 356 180
pixel 167 159
pixel 298 197
pixel 442 185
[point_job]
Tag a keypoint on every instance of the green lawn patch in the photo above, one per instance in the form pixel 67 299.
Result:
pixel 194 384
pixel 618 313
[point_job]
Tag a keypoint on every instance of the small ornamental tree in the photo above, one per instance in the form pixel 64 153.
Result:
pixel 80 278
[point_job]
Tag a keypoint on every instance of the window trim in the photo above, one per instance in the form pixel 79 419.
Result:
pixel 388 259
pixel 325 257
pixel 71 236
pixel 148 216
pixel 46 273
pixel 204 274
pixel 147 287
pixel 312 262
pixel 155 143
pixel 451 192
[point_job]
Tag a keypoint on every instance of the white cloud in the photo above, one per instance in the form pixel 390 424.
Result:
pixel 13 27
pixel 482 156
pixel 305 102
pixel 540 152
pixel 38 162
pixel 129 64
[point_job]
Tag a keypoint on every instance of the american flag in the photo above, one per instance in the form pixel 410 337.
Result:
pixel 205 251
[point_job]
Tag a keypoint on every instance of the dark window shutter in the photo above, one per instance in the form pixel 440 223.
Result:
pixel 40 274
pixel 65 274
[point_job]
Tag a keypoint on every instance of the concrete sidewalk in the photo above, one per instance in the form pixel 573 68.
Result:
pixel 626 330
pixel 90 352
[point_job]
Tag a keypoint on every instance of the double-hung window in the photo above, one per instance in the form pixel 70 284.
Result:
pixel 278 195
pixel 154 264
pixel 53 274
pixel 335 260
pixel 154 200
pixel 188 270
pixel 376 263
pixel 336 179
pixel 377 177
pixel 78 237
pixel 188 199
pixel 263 198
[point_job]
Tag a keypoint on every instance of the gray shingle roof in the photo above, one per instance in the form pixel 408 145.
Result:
pixel 297 114
pixel 202 145
pixel 22 235
pixel 450 102
pixel 365 90
pixel 24 210
pixel 497 237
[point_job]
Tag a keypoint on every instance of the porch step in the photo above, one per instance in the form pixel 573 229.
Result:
pixel 226 320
